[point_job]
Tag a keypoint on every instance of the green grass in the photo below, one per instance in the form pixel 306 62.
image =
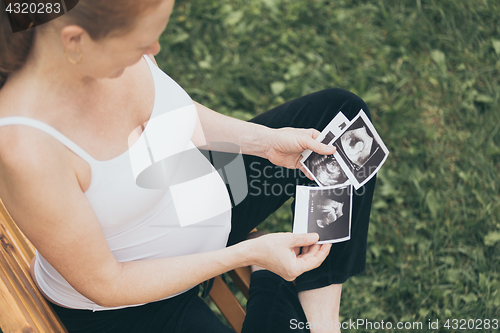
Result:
pixel 429 70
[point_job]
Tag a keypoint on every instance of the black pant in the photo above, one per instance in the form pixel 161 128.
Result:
pixel 273 305
pixel 269 187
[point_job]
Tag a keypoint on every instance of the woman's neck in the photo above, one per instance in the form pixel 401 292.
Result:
pixel 47 79
pixel 47 61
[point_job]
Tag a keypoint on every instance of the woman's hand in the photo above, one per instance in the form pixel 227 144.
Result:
pixel 287 144
pixel 279 253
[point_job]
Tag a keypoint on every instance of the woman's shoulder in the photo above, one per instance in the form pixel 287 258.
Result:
pixel 15 140
pixel 24 149
pixel 132 96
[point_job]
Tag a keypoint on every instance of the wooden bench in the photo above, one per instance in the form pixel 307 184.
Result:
pixel 24 309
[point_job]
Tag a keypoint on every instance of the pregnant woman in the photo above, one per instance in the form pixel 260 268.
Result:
pixel 113 256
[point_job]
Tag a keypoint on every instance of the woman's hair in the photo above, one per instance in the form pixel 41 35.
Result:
pixel 99 18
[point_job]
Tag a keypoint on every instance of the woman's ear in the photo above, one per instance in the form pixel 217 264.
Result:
pixel 72 37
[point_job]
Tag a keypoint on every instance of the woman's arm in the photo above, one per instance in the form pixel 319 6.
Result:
pixel 158 277
pixel 253 139
pixel 282 146
pixel 41 190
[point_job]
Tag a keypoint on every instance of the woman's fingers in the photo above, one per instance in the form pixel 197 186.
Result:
pixel 314 133
pixel 278 258
pixel 305 239
pixel 320 148
pixel 314 258
pixel 317 250
pixel 311 250
pixel 324 251
pixel 304 250
pixel 317 146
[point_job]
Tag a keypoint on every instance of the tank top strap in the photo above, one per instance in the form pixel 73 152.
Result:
pixel 148 60
pixel 6 121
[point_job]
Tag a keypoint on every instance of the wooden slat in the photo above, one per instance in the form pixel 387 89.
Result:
pixel 227 304
pixel 18 239
pixel 24 302
pixel 11 317
pixel 241 278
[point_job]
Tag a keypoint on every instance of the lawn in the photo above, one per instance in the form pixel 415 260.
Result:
pixel 429 71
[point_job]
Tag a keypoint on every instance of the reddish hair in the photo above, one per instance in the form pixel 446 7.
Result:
pixel 99 18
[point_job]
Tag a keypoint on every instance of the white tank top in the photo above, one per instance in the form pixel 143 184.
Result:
pixel 139 223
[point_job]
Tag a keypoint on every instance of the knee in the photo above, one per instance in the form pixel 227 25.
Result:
pixel 345 101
